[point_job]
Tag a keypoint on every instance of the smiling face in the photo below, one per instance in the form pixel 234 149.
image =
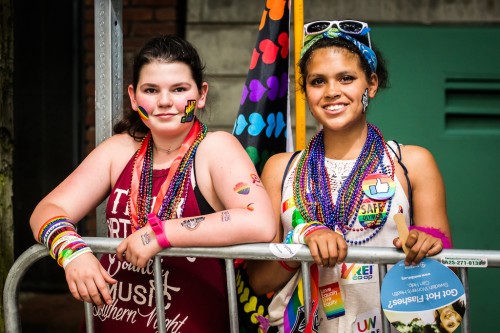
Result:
pixel 165 91
pixel 450 319
pixel 335 84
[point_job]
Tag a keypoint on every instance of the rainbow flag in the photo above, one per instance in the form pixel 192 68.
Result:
pixel 263 129
pixel 295 318
pixel 262 125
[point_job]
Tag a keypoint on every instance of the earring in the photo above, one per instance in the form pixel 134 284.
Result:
pixel 364 100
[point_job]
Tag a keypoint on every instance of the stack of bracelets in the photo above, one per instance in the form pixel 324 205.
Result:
pixel 59 235
pixel 298 234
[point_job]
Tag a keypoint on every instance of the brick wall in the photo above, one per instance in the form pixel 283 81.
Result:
pixel 141 20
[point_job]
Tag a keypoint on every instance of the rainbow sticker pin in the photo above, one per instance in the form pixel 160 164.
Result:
pixel 379 186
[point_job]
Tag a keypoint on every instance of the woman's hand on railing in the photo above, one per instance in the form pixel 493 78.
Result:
pixel 87 280
pixel 139 247
pixel 327 247
pixel 420 245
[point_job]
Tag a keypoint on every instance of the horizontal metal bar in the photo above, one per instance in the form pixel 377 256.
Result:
pixel 259 251
pixel 262 251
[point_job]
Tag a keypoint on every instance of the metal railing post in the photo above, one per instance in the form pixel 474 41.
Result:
pixel 108 77
pixel 232 296
pixel 12 283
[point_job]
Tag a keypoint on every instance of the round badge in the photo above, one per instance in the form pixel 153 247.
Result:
pixel 371 210
pixel 427 297
pixel 379 186
pixel 284 251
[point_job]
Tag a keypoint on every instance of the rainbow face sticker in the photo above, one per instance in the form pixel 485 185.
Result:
pixel 242 188
pixel 143 113
pixel 379 186
pixel 189 110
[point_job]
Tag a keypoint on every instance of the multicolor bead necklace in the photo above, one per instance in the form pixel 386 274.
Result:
pixel 173 191
pixel 312 192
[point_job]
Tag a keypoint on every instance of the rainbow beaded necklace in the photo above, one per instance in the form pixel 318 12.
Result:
pixel 312 192
pixel 175 187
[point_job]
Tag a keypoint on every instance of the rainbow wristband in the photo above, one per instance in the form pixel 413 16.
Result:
pixel 75 255
pixel 59 235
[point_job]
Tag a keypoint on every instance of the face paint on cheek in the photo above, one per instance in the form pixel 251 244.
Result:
pixel 364 100
pixel 143 113
pixel 189 110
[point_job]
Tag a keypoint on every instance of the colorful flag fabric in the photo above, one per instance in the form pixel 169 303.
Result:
pixel 261 125
pixel 294 320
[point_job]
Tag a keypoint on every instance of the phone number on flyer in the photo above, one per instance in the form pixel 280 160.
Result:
pixel 464 262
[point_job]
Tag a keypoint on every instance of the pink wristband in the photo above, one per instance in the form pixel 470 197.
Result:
pixel 434 232
pixel 159 230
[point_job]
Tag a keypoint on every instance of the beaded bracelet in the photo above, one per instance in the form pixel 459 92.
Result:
pixel 434 232
pixel 59 235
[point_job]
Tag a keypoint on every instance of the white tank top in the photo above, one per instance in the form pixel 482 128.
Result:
pixel 358 283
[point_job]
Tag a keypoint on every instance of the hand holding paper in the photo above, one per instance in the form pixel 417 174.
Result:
pixel 403 232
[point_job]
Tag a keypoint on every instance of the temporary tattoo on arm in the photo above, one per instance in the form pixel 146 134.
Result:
pixel 242 188
pixel 256 180
pixel 189 110
pixel 225 216
pixel 193 223
pixel 145 239
pixel 250 207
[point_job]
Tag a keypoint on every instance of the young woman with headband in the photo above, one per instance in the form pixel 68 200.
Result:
pixel 346 186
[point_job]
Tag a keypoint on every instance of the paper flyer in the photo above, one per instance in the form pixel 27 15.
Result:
pixel 428 296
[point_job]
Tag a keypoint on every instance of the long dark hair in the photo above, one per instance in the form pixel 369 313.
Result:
pixel 166 49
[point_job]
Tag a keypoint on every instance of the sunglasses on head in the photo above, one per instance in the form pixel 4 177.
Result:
pixel 356 29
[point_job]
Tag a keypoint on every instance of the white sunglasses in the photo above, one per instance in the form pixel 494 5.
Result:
pixel 356 29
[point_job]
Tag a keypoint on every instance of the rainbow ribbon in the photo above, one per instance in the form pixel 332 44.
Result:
pixel 294 317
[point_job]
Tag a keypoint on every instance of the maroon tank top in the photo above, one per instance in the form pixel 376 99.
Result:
pixel 194 288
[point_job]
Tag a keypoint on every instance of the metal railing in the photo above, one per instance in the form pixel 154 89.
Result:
pixel 261 251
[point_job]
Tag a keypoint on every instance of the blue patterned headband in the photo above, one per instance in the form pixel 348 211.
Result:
pixel 335 33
